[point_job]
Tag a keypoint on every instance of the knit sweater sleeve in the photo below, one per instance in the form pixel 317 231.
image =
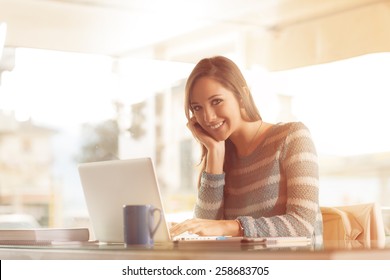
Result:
pixel 209 204
pixel 299 167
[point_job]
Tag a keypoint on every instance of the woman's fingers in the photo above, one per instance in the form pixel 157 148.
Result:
pixel 198 226
pixel 186 226
pixel 178 228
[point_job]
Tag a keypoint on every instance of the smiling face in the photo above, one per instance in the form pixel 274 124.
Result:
pixel 215 108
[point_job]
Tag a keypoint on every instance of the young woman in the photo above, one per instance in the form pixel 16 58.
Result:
pixel 258 179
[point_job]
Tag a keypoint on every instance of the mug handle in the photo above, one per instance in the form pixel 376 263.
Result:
pixel 152 211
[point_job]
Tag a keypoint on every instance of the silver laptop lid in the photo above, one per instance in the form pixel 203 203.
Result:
pixel 108 185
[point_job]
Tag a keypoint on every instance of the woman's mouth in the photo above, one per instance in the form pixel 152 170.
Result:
pixel 216 126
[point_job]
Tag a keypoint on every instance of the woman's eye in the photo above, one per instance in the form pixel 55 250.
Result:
pixel 196 108
pixel 216 101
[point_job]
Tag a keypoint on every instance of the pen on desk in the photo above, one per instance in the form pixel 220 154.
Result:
pixel 221 237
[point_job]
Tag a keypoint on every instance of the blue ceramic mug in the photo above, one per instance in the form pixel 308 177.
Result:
pixel 139 225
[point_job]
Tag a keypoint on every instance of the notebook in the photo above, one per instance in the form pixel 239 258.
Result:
pixel 108 185
pixel 42 236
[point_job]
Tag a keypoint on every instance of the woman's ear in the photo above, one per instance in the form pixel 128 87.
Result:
pixel 244 96
pixel 241 103
pixel 246 90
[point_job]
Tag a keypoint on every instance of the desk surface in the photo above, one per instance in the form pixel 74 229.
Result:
pixel 341 250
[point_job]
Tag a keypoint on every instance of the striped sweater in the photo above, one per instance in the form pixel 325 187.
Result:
pixel 273 191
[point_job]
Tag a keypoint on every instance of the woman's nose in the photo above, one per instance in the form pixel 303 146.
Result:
pixel 209 115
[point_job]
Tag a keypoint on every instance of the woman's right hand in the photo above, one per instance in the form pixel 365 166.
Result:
pixel 201 134
pixel 215 148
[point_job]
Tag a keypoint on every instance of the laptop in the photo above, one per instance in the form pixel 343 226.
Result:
pixel 108 185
